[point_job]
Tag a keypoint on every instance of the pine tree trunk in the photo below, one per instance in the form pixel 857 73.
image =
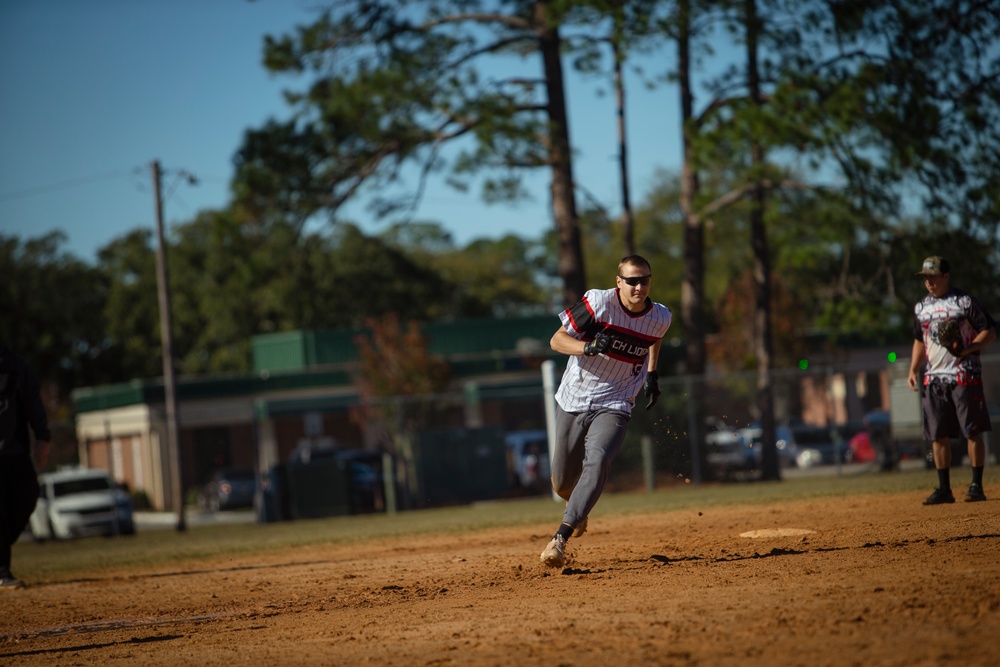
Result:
pixel 693 279
pixel 628 232
pixel 570 248
pixel 761 270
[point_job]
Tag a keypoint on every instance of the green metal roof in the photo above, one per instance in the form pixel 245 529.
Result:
pixel 297 350
pixel 313 359
pixel 137 392
pixel 92 399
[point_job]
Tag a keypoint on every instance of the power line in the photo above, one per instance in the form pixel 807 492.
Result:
pixel 64 185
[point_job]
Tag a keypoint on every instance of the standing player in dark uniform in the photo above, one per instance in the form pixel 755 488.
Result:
pixel 613 337
pixel 952 398
pixel 20 407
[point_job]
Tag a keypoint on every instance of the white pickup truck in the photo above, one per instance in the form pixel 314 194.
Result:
pixel 77 502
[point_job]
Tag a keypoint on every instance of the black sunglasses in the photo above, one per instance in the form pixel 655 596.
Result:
pixel 637 280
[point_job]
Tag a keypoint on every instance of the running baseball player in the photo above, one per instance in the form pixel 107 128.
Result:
pixel 613 339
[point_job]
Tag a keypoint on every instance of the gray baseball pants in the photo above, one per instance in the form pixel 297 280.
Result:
pixel 586 444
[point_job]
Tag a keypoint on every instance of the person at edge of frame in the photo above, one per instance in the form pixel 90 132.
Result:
pixel 952 397
pixel 613 338
pixel 20 407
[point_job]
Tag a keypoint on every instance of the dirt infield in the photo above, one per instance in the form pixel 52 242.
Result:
pixel 880 580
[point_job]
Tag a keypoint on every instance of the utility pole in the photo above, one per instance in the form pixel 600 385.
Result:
pixel 167 343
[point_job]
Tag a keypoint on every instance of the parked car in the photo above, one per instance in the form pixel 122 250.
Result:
pixel 874 444
pixel 861 448
pixel 366 486
pixel 78 502
pixel 752 437
pixel 529 458
pixel 823 445
pixel 230 488
pixel 727 453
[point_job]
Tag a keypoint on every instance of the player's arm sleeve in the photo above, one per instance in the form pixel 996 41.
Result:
pixel 580 320
pixel 979 318
pixel 983 337
pixel 984 325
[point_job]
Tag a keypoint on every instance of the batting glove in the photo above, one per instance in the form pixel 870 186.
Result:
pixel 651 387
pixel 601 342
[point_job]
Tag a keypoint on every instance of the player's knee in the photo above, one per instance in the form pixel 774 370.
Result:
pixel 561 489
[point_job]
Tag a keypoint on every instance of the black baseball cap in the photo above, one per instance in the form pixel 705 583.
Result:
pixel 934 266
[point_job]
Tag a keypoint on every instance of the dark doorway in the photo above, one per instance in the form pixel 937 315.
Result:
pixel 211 452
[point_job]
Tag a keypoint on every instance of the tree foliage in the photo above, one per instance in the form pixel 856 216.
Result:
pixel 235 280
pixel 899 99
pixel 231 280
pixel 394 362
pixel 51 304
pixel 860 110
pixel 392 87
pixel 131 311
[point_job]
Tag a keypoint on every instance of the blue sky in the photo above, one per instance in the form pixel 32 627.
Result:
pixel 95 90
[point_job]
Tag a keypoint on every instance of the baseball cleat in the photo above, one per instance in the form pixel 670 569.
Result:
pixel 975 493
pixel 555 553
pixel 940 497
pixel 581 528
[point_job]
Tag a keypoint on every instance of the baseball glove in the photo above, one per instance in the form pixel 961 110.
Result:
pixel 949 334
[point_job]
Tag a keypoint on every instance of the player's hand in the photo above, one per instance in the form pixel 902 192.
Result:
pixel 651 387
pixel 42 450
pixel 600 344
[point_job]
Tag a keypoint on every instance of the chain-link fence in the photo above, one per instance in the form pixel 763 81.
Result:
pixel 709 427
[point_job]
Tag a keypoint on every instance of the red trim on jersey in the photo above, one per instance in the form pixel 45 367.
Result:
pixel 590 309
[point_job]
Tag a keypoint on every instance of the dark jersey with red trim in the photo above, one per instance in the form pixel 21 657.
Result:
pixel 613 379
pixel 929 313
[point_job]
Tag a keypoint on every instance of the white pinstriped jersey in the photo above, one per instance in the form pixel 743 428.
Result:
pixel 613 379
pixel 929 314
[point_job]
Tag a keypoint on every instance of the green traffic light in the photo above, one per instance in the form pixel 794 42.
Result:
pixel 892 357
pixel 803 364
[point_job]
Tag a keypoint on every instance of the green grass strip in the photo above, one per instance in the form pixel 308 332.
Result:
pixel 163 549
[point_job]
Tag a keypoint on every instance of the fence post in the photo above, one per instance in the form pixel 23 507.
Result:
pixel 389 482
pixel 693 434
pixel 549 391
pixel 648 468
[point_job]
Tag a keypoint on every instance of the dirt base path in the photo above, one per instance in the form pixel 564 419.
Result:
pixel 867 580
